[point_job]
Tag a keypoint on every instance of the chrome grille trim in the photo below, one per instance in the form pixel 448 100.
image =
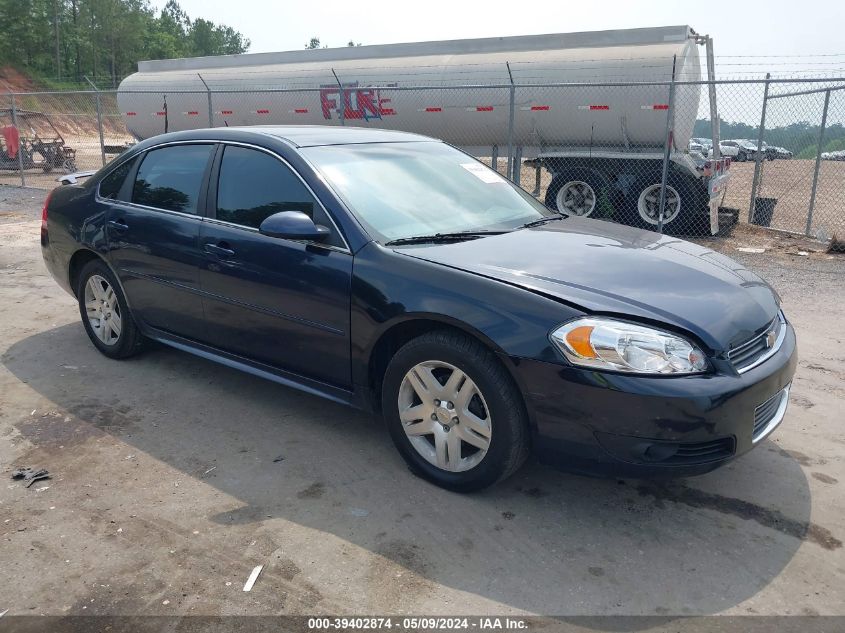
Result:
pixel 744 362
pixel 769 415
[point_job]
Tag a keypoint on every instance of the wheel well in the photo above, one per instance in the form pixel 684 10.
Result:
pixel 393 339
pixel 565 172
pixel 77 263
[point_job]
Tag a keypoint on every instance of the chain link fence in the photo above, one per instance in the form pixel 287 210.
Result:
pixel 602 150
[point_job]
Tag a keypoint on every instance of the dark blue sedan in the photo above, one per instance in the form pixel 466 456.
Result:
pixel 394 273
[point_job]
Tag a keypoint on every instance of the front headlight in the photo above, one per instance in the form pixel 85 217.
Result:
pixel 619 346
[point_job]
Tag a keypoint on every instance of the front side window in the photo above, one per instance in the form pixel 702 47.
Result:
pixel 254 185
pixel 170 177
pixel 402 190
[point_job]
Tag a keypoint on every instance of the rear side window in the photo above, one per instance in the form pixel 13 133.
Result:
pixel 111 184
pixel 170 178
pixel 254 185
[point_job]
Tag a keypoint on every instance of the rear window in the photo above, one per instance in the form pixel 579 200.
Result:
pixel 170 178
pixel 110 185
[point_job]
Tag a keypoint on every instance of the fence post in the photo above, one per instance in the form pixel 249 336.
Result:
pixel 758 159
pixel 210 110
pixel 511 171
pixel 99 120
pixel 715 132
pixel 20 146
pixel 818 164
pixel 342 108
pixel 667 148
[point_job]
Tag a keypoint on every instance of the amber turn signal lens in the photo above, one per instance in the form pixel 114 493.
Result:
pixel 579 341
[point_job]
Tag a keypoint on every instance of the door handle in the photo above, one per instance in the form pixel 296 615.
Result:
pixel 118 225
pixel 220 251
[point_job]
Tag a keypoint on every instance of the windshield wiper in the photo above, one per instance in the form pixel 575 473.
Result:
pixel 442 237
pixel 558 216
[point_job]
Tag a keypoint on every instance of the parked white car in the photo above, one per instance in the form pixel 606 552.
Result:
pixel 740 150
pixel 706 144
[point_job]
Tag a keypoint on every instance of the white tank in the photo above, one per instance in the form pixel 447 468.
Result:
pixel 337 86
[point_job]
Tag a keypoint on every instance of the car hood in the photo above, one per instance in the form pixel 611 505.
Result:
pixel 602 267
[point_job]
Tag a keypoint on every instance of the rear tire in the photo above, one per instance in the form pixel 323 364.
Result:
pixel 454 412
pixel 684 211
pixel 105 313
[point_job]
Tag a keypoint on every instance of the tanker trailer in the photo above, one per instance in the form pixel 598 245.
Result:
pixel 591 108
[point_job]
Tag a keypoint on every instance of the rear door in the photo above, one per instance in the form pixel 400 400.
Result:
pixel 280 302
pixel 153 228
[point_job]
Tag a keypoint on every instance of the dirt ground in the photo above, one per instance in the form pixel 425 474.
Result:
pixel 172 477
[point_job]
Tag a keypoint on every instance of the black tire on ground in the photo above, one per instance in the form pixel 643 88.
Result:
pixel 692 217
pixel 741 157
pixel 594 180
pixel 509 440
pixel 130 341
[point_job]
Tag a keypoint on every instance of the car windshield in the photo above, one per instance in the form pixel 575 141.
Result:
pixel 406 190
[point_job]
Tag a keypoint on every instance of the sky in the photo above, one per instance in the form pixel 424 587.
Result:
pixel 792 36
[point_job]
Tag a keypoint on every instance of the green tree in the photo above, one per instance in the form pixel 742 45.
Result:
pixel 206 38
pixel 104 39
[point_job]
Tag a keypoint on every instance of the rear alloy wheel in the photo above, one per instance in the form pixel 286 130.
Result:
pixel 648 204
pixel 454 412
pixel 102 310
pixel 105 313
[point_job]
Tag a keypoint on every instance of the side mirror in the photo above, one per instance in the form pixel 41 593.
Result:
pixel 293 225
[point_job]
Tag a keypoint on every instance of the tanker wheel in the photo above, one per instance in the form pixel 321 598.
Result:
pixel 683 213
pixel 575 193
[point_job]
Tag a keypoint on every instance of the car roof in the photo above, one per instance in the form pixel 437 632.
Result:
pixel 295 136
pixel 313 135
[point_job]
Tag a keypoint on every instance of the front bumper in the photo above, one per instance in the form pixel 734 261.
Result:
pixel 636 426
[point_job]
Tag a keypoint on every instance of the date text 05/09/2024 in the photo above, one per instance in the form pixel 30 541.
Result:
pixel 481 623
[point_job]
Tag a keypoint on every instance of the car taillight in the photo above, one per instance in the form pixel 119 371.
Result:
pixel 44 218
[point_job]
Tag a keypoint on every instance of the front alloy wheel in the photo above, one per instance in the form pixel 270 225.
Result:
pixel 576 197
pixel 444 415
pixel 454 412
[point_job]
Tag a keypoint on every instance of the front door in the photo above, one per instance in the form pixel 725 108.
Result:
pixel 153 230
pixel 281 302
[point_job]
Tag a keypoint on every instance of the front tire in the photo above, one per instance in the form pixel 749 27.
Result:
pixel 105 313
pixel 454 413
